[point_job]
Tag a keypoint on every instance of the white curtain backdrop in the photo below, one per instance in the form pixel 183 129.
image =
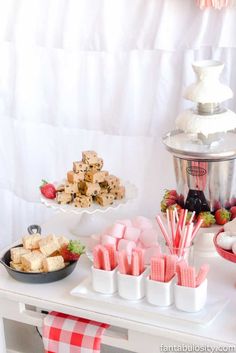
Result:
pixel 106 75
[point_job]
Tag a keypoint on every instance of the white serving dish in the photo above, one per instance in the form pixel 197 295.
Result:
pixel 104 282
pixel 131 287
pixel 190 299
pixel 145 312
pixel 160 293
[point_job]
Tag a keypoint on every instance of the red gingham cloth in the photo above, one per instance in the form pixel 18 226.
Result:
pixel 69 334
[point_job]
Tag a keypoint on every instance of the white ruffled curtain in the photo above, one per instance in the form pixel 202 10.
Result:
pixel 106 75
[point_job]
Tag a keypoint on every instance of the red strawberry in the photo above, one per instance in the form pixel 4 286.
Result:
pixel 222 216
pixel 233 212
pixel 72 251
pixel 208 219
pixel 170 198
pixel 48 190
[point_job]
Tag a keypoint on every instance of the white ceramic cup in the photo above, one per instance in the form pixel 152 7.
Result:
pixel 131 287
pixel 190 299
pixel 104 282
pixel 160 293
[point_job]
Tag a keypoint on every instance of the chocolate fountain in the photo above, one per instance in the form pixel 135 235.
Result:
pixel 203 144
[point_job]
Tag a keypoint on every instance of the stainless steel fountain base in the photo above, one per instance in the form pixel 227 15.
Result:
pixel 215 180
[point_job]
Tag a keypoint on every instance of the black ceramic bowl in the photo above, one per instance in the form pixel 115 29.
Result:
pixel 36 277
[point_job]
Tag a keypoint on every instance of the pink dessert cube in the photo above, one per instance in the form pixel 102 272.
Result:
pixel 107 239
pixel 126 245
pixel 117 230
pixel 94 240
pixel 132 233
pixel 149 237
pixel 151 252
pixel 142 222
pixel 125 222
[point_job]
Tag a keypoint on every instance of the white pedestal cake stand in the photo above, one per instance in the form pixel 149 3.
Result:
pixel 94 215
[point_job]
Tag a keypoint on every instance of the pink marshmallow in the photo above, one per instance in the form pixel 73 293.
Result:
pixel 142 222
pixel 140 245
pixel 107 239
pixel 125 222
pixel 94 240
pixel 132 233
pixel 126 245
pixel 117 230
pixel 151 252
pixel 148 237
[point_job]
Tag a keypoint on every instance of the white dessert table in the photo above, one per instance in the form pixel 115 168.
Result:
pixel 21 302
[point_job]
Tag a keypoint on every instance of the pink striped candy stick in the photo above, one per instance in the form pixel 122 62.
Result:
pixel 141 258
pixel 164 232
pixel 196 228
pixel 192 217
pixel 106 259
pixel 179 227
pixel 183 234
pixel 172 224
pixel 112 255
pixel 184 219
pixel 202 274
pixel 135 264
pixel 97 257
pixel 123 263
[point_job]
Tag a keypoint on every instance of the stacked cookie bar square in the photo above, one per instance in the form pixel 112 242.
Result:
pixel 88 183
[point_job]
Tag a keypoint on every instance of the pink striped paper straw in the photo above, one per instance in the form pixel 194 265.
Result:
pixel 176 215
pixel 182 241
pixel 196 228
pixel 188 239
pixel 168 220
pixel 192 217
pixel 172 224
pixel 184 219
pixel 164 232
pixel 179 227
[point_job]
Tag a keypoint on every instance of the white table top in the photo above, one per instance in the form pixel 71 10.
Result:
pixel 56 296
